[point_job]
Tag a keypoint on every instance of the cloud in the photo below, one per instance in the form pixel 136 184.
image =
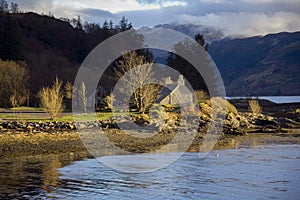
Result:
pixel 116 6
pixel 44 6
pixel 263 1
pixel 248 17
pixel 247 23
pixel 63 7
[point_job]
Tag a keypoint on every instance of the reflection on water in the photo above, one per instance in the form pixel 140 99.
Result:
pixel 33 176
pixel 262 172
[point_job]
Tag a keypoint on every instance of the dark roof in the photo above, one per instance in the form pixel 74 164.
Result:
pixel 166 91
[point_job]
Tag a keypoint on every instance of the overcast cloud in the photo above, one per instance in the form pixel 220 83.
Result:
pixel 241 17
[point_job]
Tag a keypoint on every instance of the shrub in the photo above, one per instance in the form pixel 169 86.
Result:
pixel 52 98
pixel 109 99
pixel 201 95
pixel 218 101
pixel 14 81
pixel 82 93
pixel 254 107
pixel 231 108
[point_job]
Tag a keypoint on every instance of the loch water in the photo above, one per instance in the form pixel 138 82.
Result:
pixel 253 172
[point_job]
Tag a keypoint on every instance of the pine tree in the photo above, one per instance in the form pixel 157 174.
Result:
pixel 124 25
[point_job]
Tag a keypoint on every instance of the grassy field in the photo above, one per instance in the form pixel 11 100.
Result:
pixel 37 114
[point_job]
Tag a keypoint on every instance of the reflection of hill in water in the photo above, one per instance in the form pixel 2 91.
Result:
pixel 33 175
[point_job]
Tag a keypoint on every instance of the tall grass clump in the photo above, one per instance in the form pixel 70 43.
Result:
pixel 52 99
pixel 254 106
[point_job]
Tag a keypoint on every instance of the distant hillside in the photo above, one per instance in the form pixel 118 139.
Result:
pixel 210 33
pixel 51 47
pixel 268 65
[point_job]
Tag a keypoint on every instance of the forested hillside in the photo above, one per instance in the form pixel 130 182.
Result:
pixel 51 47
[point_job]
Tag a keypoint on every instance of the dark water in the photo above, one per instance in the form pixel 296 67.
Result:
pixel 261 172
pixel 275 99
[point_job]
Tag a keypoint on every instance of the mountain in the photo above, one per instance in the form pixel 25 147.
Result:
pixel 259 66
pixel 210 33
pixel 268 65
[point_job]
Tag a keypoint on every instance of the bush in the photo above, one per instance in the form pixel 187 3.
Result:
pixel 52 98
pixel 254 107
pixel 230 108
pixel 201 95
pixel 14 80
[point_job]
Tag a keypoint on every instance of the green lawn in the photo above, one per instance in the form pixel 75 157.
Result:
pixel 88 117
pixel 25 108
pixel 22 116
pixel 62 118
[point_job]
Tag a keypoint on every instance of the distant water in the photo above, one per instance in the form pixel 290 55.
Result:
pixel 261 172
pixel 275 99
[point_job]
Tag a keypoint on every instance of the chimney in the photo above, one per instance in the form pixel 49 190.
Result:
pixel 180 80
pixel 168 81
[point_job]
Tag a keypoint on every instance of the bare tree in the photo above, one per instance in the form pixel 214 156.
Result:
pixel 52 99
pixel 136 81
pixel 82 93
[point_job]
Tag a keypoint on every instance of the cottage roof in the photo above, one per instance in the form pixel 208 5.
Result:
pixel 166 91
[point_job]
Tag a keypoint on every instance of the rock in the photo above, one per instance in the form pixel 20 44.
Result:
pixel 30 128
pixel 11 125
pixel 70 126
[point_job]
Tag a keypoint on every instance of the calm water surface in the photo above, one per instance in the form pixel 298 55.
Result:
pixel 261 172
pixel 275 99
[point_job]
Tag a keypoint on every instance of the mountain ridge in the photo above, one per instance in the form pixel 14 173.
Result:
pixel 260 65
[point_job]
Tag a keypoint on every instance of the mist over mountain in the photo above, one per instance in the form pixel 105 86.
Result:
pixel 210 33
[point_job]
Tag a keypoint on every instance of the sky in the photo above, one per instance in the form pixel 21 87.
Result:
pixel 233 17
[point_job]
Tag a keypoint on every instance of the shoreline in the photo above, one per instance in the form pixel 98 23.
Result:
pixel 21 137
pixel 26 144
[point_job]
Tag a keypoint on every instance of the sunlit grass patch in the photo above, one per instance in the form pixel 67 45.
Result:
pixel 25 108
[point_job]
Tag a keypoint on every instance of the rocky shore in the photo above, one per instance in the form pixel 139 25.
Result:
pixel 21 137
